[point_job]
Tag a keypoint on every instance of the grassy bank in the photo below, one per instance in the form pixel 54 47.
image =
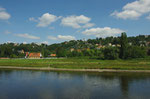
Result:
pixel 80 63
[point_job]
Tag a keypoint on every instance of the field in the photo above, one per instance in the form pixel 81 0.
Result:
pixel 80 63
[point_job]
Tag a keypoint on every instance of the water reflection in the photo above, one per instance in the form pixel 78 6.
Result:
pixel 21 84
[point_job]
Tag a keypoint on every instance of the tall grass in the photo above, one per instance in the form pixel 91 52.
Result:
pixel 80 63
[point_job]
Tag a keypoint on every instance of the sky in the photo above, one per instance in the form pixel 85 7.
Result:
pixel 55 21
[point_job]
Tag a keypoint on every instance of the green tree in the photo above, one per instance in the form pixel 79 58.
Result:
pixel 124 46
pixel 111 53
pixel 136 52
pixel 60 52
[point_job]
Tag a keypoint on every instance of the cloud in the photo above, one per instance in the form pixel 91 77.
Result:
pixel 2 9
pixel 67 37
pixel 62 37
pixel 27 36
pixel 77 21
pixel 7 32
pixel 51 28
pixel 45 20
pixel 44 42
pixel 52 38
pixel 148 17
pixel 3 14
pixel 102 32
pixel 24 42
pixel 133 10
pixel 33 19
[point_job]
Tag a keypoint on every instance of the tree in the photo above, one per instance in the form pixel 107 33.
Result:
pixel 111 53
pixel 136 52
pixel 124 46
pixel 60 52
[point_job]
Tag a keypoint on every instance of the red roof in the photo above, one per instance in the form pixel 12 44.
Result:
pixel 35 55
pixel 53 55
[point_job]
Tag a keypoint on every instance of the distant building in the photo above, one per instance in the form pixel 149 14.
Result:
pixel 100 46
pixel 109 44
pixel 130 43
pixel 118 45
pixel 21 51
pixel 53 55
pixel 78 50
pixel 147 43
pixel 72 49
pixel 35 55
pixel 96 44
pixel 113 45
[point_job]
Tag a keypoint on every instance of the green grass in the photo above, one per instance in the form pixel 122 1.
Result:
pixel 80 63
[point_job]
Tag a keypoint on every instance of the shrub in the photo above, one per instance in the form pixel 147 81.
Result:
pixel 136 52
pixel 111 53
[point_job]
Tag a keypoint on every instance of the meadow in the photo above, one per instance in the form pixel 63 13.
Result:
pixel 80 63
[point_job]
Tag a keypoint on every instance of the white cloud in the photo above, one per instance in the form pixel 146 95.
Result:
pixel 2 9
pixel 33 19
pixel 148 17
pixel 7 32
pixel 133 10
pixel 3 14
pixel 51 28
pixel 10 42
pixel 62 37
pixel 67 37
pixel 45 20
pixel 44 42
pixel 24 42
pixel 77 21
pixel 103 32
pixel 52 38
pixel 27 36
pixel 88 25
pixel 127 14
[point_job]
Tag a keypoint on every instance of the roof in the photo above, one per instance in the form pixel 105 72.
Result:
pixel 35 55
pixel 53 55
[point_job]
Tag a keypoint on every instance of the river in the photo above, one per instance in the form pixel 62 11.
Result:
pixel 27 84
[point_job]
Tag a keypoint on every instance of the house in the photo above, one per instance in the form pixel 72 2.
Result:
pixel 78 50
pixel 72 49
pixel 100 46
pixel 35 55
pixel 53 55
pixel 27 54
pixel 109 44
pixel 147 43
pixel 21 51
pixel 118 45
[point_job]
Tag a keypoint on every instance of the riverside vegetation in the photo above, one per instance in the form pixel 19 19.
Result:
pixel 80 63
pixel 131 53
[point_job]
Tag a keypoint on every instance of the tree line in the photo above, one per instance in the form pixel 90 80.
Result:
pixel 122 47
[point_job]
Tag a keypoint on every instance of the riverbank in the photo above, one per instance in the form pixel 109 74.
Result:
pixel 75 70
pixel 77 64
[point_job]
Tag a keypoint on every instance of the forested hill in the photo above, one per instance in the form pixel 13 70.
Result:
pixel 91 43
pixel 64 48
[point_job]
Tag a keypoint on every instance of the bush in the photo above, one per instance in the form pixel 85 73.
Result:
pixel 148 52
pixel 13 56
pixel 111 53
pixel 136 52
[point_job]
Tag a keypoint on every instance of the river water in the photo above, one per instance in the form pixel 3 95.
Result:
pixel 25 84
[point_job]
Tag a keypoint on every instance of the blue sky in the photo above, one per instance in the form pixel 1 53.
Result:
pixel 53 21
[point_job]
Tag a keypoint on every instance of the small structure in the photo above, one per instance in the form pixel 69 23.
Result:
pixel 53 55
pixel 72 49
pixel 21 51
pixel 35 55
pixel 100 46
pixel 78 50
